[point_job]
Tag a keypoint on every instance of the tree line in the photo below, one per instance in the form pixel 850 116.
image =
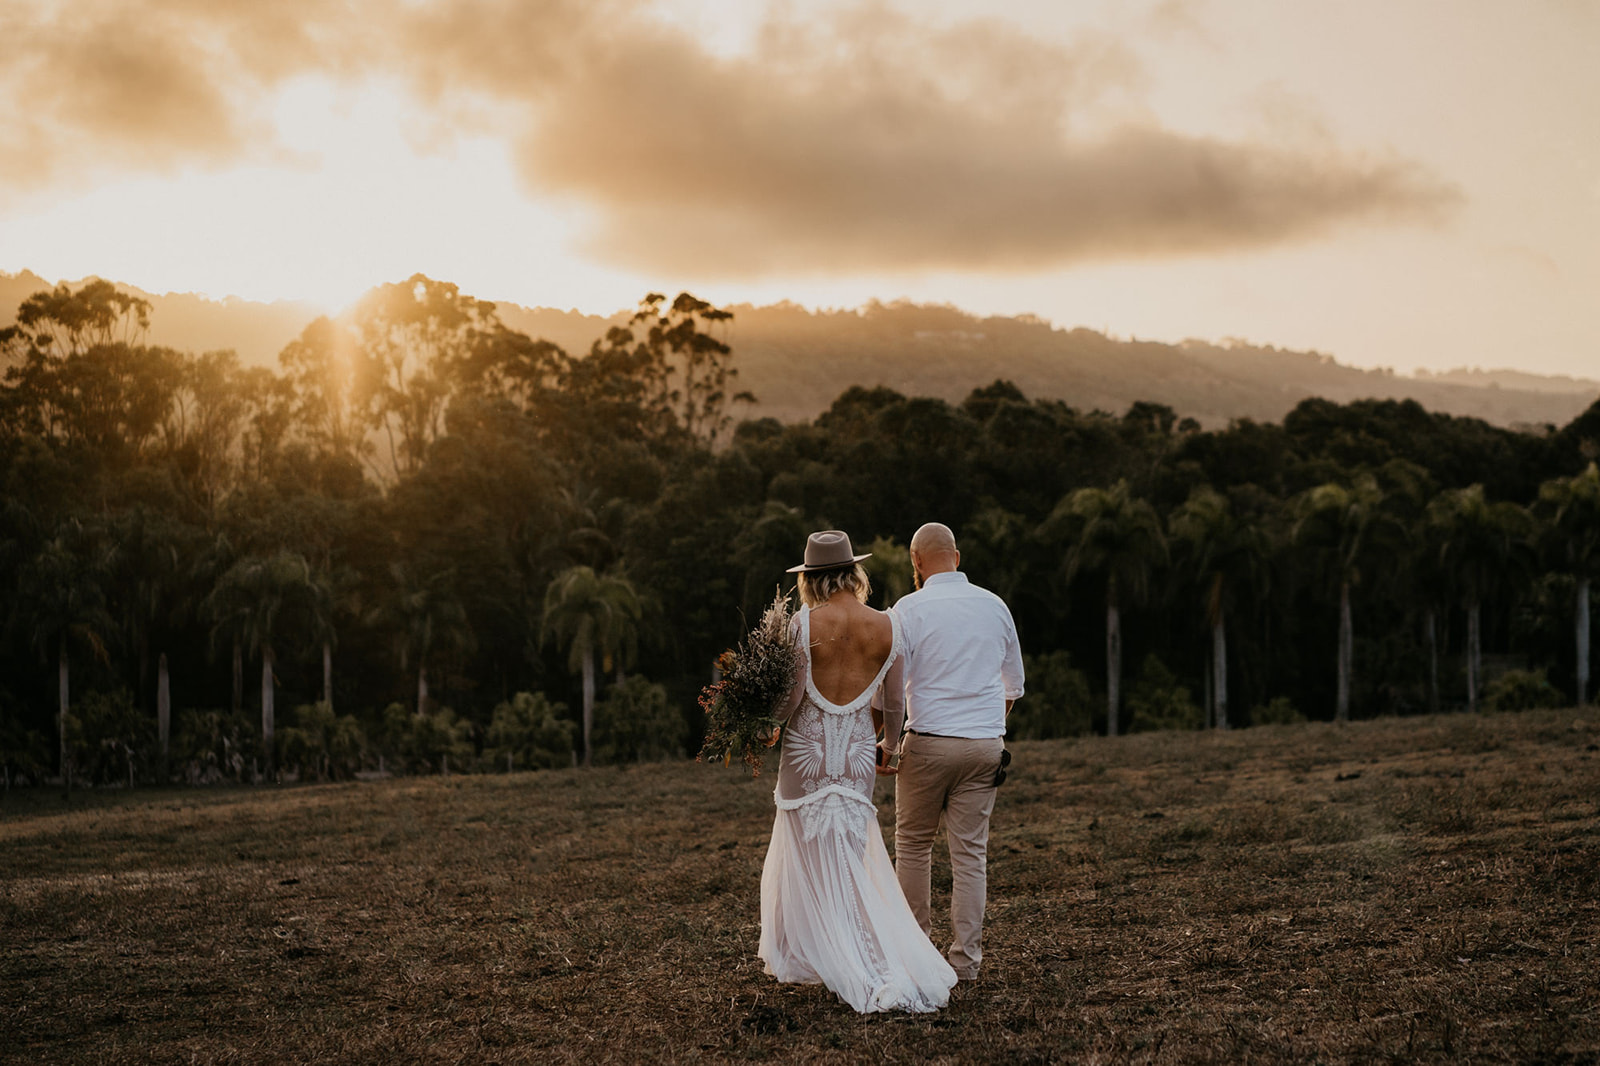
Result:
pixel 441 544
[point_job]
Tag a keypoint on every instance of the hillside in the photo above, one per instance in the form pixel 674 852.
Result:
pixel 1411 890
pixel 797 361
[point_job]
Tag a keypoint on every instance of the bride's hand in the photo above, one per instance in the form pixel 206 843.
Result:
pixel 773 737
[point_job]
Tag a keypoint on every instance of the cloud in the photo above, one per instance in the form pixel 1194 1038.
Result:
pixel 869 141
pixel 105 87
pixel 879 143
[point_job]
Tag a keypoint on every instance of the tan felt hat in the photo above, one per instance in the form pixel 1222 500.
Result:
pixel 828 550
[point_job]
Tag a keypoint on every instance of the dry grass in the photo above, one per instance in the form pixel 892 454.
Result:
pixel 1400 890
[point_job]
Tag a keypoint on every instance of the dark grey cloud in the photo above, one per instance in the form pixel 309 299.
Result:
pixel 866 142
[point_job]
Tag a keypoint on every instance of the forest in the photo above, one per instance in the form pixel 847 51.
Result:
pixel 427 542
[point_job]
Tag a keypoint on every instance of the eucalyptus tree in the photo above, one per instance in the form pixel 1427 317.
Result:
pixel 666 369
pixel 414 337
pixel 1353 537
pixel 253 600
pixel 332 381
pixel 590 613
pixel 205 423
pixel 60 322
pixel 1573 508
pixel 1228 552
pixel 1480 542
pixel 1115 536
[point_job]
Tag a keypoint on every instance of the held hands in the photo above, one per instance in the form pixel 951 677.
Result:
pixel 884 769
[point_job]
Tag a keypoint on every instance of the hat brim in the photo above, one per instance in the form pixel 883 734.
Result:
pixel 804 569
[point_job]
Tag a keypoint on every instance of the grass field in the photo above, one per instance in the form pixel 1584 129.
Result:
pixel 1397 890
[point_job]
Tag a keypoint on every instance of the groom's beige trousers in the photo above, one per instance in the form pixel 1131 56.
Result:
pixel 953 778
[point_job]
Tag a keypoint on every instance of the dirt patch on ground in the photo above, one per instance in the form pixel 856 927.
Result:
pixel 1399 890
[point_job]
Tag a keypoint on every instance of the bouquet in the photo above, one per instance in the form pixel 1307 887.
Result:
pixel 741 709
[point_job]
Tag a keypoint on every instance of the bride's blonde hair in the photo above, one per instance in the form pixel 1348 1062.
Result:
pixel 818 586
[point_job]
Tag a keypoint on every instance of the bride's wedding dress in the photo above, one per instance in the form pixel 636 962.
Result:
pixel 831 908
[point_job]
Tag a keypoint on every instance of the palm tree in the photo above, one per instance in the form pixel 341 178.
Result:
pixel 1430 582
pixel 249 601
pixel 332 594
pixel 1109 532
pixel 590 612
pixel 214 561
pixel 1479 541
pixel 149 585
pixel 1573 505
pixel 1353 536
pixel 62 598
pixel 1227 551
pixel 426 616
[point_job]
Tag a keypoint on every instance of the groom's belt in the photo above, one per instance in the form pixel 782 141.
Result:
pixel 935 736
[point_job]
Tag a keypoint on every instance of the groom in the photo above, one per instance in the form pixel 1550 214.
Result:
pixel 963 670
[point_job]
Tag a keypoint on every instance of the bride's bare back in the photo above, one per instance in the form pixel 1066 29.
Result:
pixel 849 643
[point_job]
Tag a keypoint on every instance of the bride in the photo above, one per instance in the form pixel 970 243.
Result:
pixel 831 908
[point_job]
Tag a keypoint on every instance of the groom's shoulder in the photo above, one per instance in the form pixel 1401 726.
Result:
pixel 928 595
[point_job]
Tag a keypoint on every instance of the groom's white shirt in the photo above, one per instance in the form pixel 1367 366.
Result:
pixel 962 660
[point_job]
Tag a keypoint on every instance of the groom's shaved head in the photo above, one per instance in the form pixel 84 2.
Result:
pixel 934 538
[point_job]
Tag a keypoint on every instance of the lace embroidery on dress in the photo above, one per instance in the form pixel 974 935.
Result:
pixel 831 909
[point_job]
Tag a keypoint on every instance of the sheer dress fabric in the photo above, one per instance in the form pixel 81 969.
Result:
pixel 832 910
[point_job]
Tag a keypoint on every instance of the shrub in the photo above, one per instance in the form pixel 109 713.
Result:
pixel 108 739
pixel 423 743
pixel 533 731
pixel 1157 701
pixel 321 743
pixel 24 753
pixel 212 746
pixel 1521 690
pixel 1057 703
pixel 635 723
pixel 1280 710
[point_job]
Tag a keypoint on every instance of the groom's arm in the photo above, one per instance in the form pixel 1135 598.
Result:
pixel 1012 679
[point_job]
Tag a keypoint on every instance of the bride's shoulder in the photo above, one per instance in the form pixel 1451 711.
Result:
pixel 887 624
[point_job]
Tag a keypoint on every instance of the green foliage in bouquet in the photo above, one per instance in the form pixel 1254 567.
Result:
pixel 741 708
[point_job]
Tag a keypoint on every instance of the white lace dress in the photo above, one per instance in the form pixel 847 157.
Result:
pixel 831 908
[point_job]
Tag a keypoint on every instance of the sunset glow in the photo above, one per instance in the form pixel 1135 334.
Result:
pixel 1374 195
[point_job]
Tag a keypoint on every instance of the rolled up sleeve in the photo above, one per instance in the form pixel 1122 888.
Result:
pixel 1011 676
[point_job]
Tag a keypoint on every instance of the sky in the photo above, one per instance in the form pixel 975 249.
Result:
pixel 1402 183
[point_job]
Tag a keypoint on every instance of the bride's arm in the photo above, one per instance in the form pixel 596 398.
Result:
pixel 889 705
pixel 797 688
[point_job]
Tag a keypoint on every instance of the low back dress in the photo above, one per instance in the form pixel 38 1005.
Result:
pixel 831 908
